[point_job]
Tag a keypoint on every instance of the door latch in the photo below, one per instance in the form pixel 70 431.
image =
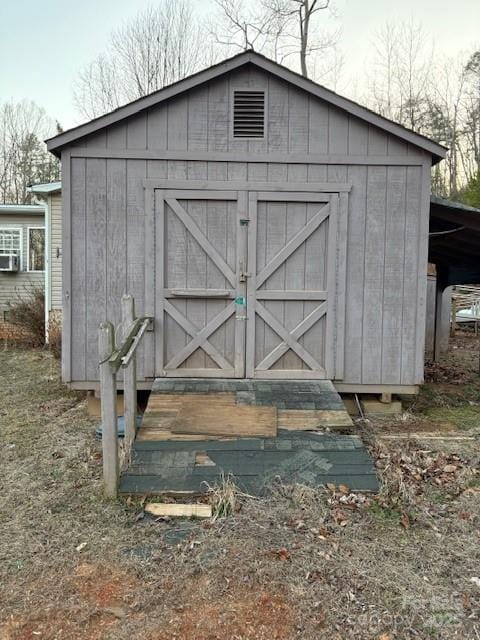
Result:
pixel 243 274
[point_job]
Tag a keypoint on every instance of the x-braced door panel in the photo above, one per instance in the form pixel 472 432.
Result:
pixel 292 246
pixel 201 326
pixel 248 283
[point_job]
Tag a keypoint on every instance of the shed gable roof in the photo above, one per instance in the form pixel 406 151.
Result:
pixel 56 143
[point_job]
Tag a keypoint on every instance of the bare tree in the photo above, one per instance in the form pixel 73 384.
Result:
pixel 297 17
pixel 437 97
pixel 279 28
pixel 161 45
pixel 401 71
pixel 243 26
pixel 23 155
pixel 98 88
pixel 446 120
pixel 472 111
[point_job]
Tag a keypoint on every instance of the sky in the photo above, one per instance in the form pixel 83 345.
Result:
pixel 45 43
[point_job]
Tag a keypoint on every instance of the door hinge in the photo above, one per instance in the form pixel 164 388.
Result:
pixel 244 222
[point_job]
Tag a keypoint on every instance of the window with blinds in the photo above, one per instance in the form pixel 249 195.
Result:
pixel 248 113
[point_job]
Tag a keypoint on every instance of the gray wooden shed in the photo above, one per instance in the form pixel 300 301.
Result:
pixel 272 228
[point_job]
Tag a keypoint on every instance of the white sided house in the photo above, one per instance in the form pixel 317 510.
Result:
pixel 49 195
pixel 272 228
pixel 22 257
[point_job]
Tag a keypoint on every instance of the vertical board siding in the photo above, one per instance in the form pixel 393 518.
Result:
pixel 135 245
pixel 357 138
pixel 393 274
pixel 197 139
pixel 157 122
pixel 318 115
pixel 177 131
pixel 137 132
pixel 67 245
pixel 298 123
pixel 374 256
pixel 411 275
pixel 355 273
pixel 385 236
pixel 424 220
pixel 337 132
pixel 117 136
pixel 218 116
pixel 79 281
pixel 96 263
pixel 396 147
pixel 116 238
pixel 277 116
pixel 355 270
pixel 377 142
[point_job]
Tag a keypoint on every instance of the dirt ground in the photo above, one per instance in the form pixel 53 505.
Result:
pixel 298 564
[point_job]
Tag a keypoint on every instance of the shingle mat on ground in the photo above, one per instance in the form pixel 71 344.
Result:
pixel 292 458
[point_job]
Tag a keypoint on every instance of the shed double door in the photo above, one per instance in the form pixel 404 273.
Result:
pixel 244 283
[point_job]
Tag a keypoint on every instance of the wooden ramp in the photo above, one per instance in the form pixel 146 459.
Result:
pixel 209 409
pixel 196 432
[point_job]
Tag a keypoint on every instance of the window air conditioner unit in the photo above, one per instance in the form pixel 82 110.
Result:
pixel 9 262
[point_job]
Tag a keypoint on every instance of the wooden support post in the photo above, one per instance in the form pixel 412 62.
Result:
pixel 129 376
pixel 108 391
pixel 438 322
pixel 454 318
pixel 386 398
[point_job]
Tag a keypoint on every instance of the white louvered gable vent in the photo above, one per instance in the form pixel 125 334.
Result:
pixel 248 113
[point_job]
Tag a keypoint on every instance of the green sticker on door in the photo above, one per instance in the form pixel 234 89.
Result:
pixel 240 300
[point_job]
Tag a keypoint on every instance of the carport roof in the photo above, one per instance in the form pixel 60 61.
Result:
pixel 454 241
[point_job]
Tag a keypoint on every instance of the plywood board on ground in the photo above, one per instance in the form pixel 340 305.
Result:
pixel 179 510
pixel 162 410
pixel 153 434
pixel 161 401
pixel 305 420
pixel 211 416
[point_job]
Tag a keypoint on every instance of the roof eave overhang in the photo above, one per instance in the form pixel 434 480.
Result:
pixel 44 189
pixel 56 143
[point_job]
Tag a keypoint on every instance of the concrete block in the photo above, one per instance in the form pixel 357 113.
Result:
pixel 375 407
pixel 94 406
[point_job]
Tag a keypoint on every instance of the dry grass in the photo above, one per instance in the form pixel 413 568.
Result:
pixel 55 334
pixel 28 312
pixel 298 564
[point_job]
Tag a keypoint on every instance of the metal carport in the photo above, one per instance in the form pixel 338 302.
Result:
pixel 454 247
